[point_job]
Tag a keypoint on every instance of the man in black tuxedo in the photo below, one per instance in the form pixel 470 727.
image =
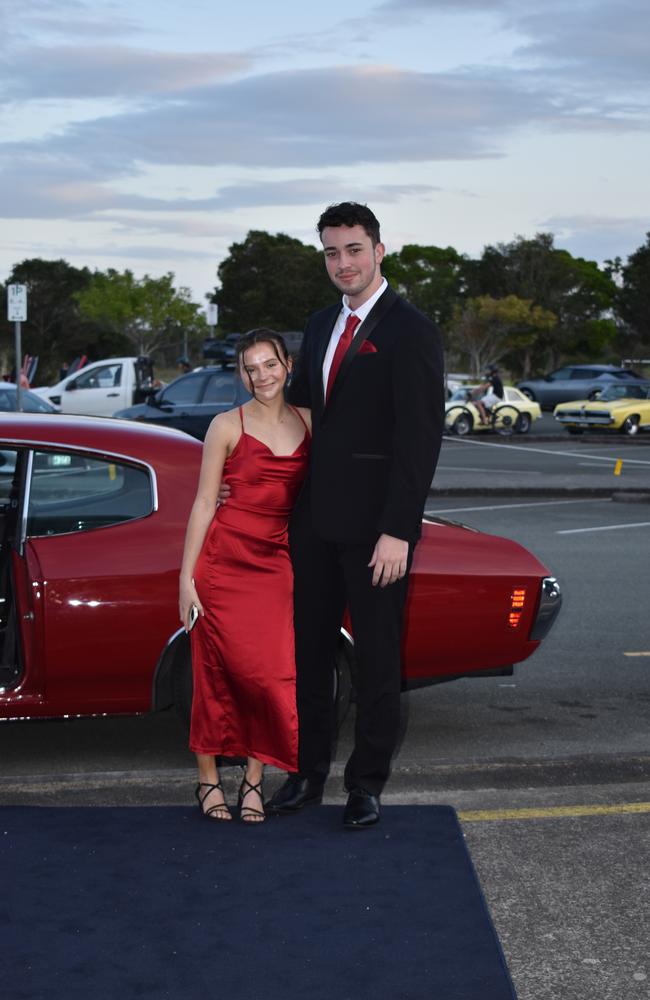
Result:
pixel 371 370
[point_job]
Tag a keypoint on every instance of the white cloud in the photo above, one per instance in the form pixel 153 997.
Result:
pixel 598 237
pixel 337 116
pixel 111 71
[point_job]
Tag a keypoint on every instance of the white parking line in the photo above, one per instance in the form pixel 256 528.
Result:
pixel 473 468
pixel 545 451
pixel 506 506
pixel 604 527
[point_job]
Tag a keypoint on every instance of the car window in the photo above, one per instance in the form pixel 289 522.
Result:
pixel 104 377
pixel 29 401
pixel 72 492
pixel 7 469
pixel 561 373
pixel 584 373
pixel 624 375
pixel 219 389
pixel 186 389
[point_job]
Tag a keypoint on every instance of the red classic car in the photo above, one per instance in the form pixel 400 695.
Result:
pixel 92 522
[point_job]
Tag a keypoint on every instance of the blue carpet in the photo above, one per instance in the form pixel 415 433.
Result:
pixel 147 902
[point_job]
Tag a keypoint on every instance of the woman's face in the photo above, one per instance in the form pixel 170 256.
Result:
pixel 263 372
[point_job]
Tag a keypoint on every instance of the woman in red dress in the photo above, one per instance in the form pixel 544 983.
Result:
pixel 236 572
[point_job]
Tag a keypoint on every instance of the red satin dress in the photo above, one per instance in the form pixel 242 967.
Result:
pixel 243 657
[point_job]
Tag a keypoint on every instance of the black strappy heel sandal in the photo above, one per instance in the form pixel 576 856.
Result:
pixel 220 811
pixel 246 813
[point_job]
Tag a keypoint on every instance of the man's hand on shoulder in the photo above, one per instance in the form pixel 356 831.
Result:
pixel 389 560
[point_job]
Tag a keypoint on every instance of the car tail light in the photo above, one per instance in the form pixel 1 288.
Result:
pixel 517 602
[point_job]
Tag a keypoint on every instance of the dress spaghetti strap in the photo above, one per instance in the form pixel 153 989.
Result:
pixel 299 414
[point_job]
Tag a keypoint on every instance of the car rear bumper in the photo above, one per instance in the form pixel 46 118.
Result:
pixel 550 602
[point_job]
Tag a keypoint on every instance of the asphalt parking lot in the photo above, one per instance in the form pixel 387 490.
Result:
pixel 549 770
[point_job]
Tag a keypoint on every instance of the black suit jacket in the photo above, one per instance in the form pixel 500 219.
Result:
pixel 375 443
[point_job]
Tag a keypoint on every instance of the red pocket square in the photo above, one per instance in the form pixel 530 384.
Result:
pixel 367 348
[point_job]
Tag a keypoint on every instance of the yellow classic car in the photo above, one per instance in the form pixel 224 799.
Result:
pixel 624 408
pixel 514 415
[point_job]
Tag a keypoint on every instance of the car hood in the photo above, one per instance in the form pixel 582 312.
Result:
pixel 597 404
pixel 133 411
pixel 573 403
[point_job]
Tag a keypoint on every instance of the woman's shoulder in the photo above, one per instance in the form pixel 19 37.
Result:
pixel 224 427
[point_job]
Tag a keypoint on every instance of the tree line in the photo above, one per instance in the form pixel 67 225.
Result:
pixel 525 305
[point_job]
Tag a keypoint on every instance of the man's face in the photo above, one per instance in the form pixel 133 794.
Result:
pixel 352 262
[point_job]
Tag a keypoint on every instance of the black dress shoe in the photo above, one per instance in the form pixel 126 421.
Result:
pixel 361 811
pixel 295 794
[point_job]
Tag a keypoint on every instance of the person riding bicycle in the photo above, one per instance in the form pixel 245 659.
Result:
pixel 488 394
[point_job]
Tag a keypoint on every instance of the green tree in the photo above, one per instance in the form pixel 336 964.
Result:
pixel 577 291
pixel 273 281
pixel 55 330
pixel 484 329
pixel 434 279
pixel 147 312
pixel 633 299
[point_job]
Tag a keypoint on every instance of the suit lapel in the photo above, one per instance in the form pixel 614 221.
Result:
pixel 374 317
pixel 323 339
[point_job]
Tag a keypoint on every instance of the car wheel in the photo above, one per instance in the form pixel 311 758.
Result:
pixel 505 419
pixel 458 420
pixel 342 693
pixel 631 426
pixel 182 686
pixel 344 670
pixel 529 392
pixel 522 425
pixel 574 431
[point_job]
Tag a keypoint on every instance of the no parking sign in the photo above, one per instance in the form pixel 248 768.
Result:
pixel 16 303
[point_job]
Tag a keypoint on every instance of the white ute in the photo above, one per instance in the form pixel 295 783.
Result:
pixel 102 387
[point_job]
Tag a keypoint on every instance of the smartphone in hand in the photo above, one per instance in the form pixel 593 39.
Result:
pixel 194 617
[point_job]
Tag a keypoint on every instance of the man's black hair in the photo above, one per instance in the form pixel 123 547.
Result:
pixel 350 213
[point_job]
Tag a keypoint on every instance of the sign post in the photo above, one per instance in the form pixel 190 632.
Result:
pixel 17 313
pixel 213 316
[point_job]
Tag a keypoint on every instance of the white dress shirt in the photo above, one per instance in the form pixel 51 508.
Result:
pixel 362 311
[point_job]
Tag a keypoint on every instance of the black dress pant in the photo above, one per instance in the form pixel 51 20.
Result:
pixel 328 577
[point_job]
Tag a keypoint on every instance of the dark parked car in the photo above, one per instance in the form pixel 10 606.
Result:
pixel 191 401
pixel 221 350
pixel 574 382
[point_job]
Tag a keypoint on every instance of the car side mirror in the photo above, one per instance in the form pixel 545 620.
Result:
pixel 547 378
pixel 70 386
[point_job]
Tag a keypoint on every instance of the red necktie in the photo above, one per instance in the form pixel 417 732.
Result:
pixel 345 340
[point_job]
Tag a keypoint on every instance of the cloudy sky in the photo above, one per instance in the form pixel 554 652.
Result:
pixel 152 134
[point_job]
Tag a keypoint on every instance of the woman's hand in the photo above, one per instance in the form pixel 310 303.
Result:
pixel 224 493
pixel 187 597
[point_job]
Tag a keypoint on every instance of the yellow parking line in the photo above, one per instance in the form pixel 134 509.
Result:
pixel 550 812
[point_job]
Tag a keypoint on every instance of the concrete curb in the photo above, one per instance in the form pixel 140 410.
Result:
pixel 573 439
pixel 176 784
pixel 640 495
